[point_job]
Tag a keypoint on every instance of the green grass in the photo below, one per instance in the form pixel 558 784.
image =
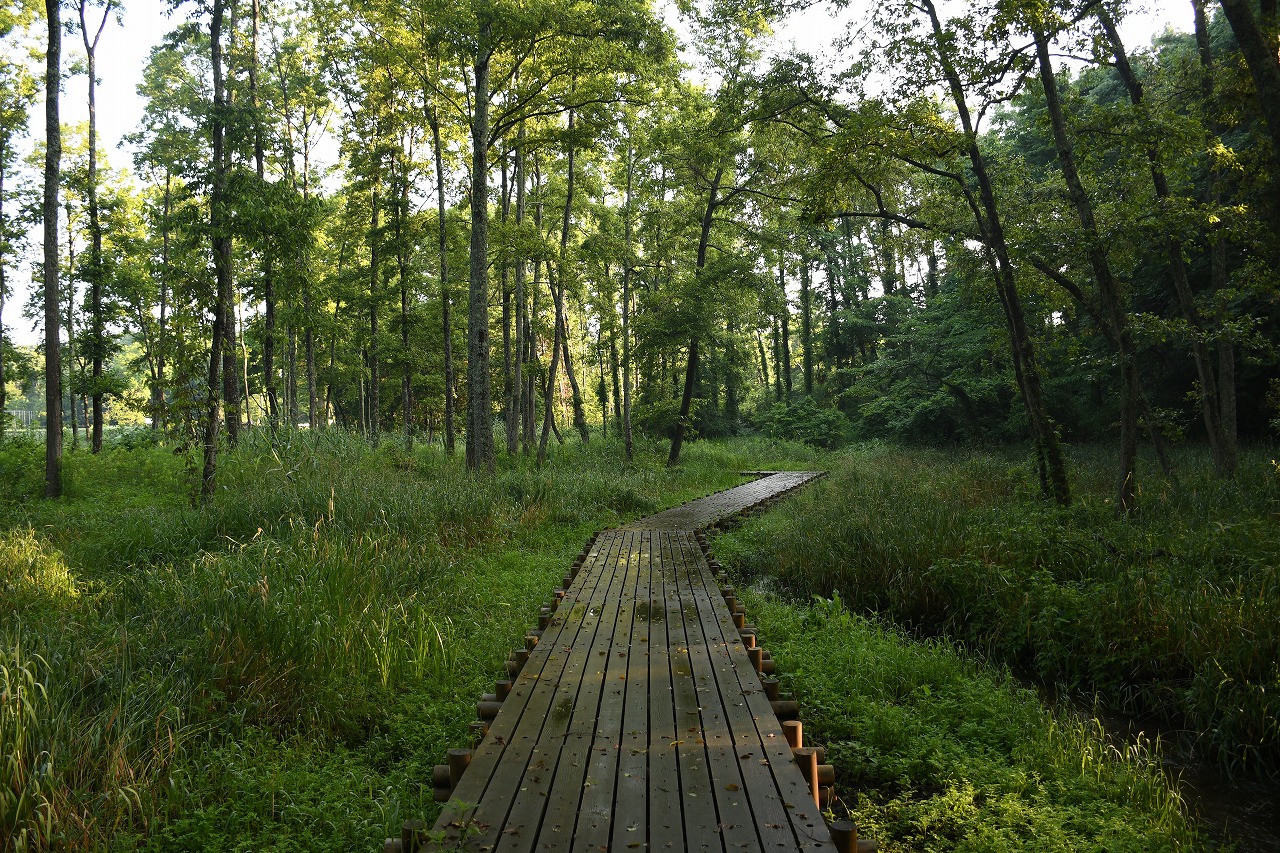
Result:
pixel 1173 613
pixel 281 668
pixel 935 752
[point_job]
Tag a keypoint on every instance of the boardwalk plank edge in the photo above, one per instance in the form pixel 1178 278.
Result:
pixel 615 592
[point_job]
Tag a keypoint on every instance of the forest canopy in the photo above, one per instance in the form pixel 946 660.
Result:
pixel 983 224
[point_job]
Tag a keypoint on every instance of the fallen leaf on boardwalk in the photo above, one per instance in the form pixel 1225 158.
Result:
pixel 675 743
pixel 633 827
pixel 733 786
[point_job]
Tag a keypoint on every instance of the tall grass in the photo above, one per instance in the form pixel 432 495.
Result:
pixel 935 752
pixel 1173 612
pixel 297 653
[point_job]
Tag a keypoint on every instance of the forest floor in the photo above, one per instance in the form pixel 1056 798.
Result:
pixel 281 668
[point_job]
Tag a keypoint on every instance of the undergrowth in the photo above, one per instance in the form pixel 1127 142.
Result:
pixel 281 667
pixel 1171 613
pixel 935 752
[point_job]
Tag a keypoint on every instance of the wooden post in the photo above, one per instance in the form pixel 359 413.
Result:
pixel 458 761
pixel 793 731
pixel 412 835
pixel 807 760
pixel 502 689
pixel 845 835
pixel 770 688
pixel 756 655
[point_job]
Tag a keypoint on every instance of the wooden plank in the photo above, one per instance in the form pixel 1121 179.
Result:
pixel 778 793
pixel 626 683
pixel 557 763
pixel 498 765
pixel 701 819
pixel 666 817
pixel 736 825
pixel 630 823
pixel 597 714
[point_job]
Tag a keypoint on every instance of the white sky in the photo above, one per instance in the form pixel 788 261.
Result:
pixel 124 49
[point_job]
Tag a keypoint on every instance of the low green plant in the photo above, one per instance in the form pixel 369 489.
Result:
pixel 1171 612
pixel 935 752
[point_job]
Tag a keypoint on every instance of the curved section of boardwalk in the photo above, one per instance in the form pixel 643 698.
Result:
pixel 704 512
pixel 638 721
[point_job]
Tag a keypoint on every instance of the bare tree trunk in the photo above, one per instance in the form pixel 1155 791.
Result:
pixel 626 312
pixel 1053 475
pixel 1108 288
pixel 445 297
pixel 222 254
pixel 806 324
pixel 549 414
pixel 373 422
pixel 98 341
pixel 785 322
pixel 562 331
pixel 480 451
pixel 52 301
pixel 516 403
pixel 691 366
pixel 221 246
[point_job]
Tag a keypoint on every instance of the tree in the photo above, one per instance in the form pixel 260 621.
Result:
pixel 52 161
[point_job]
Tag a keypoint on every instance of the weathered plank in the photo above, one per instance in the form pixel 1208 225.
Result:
pixel 638 721
pixel 704 512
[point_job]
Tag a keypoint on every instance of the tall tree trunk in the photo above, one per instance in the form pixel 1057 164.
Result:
pixel 579 415
pixel 626 310
pixel 549 397
pixel 268 273
pixel 446 298
pixel 402 263
pixel 221 246
pixel 516 404
pixel 508 367
pixel 691 367
pixel 374 404
pixel 160 410
pixel 806 324
pixel 224 271
pixel 52 300
pixel 1048 451
pixel 1108 288
pixel 71 332
pixel 785 322
pixel 764 362
pixel 480 452
pixel 98 341
pixel 777 360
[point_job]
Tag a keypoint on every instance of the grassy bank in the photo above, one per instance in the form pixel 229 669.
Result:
pixel 935 752
pixel 280 669
pixel 1173 613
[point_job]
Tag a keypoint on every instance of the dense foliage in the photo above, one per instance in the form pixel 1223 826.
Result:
pixel 489 222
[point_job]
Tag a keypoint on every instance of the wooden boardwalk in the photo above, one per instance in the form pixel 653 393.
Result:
pixel 638 721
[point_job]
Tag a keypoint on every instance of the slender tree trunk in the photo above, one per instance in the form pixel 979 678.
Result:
pixel 98 341
pixel 785 322
pixel 446 299
pixel 52 301
pixel 221 246
pixel 549 414
pixel 402 263
pixel 223 268
pixel 806 324
pixel 373 403
pixel 508 357
pixel 691 367
pixel 516 404
pixel 615 377
pixel 777 360
pixel 579 415
pixel 480 452
pixel 1108 288
pixel 626 310
pixel 1049 453
pixel 71 333
pixel 161 409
